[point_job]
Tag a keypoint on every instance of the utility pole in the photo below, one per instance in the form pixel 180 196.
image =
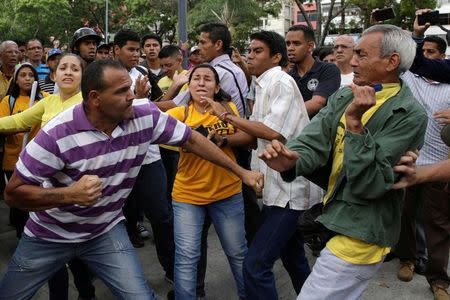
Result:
pixel 106 22
pixel 182 28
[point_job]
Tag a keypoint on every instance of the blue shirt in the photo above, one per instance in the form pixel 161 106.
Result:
pixel 42 71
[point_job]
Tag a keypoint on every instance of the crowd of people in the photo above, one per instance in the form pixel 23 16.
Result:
pixel 98 139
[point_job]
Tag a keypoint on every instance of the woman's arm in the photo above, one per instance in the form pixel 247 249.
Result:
pixel 23 120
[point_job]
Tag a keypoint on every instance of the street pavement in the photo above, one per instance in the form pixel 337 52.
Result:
pixel 219 281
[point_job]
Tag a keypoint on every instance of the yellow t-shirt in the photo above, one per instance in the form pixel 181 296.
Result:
pixel 40 113
pixel 4 84
pixel 349 249
pixel 199 181
pixel 164 84
pixel 13 142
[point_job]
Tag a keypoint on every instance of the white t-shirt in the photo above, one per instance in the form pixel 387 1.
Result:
pixel 153 150
pixel 346 79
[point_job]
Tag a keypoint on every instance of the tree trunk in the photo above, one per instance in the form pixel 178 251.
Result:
pixel 342 26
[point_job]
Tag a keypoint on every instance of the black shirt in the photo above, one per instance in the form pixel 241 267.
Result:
pixel 322 79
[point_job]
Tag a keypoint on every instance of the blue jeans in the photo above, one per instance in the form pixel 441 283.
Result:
pixel 278 237
pixel 228 218
pixel 110 256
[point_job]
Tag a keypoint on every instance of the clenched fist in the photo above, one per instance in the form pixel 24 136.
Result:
pixel 87 190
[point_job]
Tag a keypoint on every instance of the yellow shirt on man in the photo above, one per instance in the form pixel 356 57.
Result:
pixel 347 248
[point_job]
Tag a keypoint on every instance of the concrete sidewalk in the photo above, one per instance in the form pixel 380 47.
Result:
pixel 219 281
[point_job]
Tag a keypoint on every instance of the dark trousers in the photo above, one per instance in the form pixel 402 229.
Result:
pixel 278 237
pixel 149 195
pixel 437 227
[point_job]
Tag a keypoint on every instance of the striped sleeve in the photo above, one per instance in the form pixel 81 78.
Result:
pixel 167 130
pixel 40 159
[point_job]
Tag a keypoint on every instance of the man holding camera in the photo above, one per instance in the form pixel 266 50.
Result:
pixel 434 69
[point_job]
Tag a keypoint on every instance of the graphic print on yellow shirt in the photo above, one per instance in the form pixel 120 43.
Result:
pixel 349 249
pixel 199 181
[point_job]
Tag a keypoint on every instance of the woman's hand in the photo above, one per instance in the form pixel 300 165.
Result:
pixel 214 108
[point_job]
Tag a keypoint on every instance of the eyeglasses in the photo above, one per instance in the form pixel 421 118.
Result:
pixel 335 47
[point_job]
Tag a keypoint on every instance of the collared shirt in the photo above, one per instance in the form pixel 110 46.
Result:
pixel 69 146
pixel 153 150
pixel 4 84
pixel 278 107
pixel 433 96
pixel 227 83
pixel 322 79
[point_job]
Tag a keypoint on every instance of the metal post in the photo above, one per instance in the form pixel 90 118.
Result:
pixel 182 28
pixel 106 22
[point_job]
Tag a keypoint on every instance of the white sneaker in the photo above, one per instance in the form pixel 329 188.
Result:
pixel 143 232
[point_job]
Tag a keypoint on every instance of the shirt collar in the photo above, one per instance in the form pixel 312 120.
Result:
pixel 314 69
pixel 429 81
pixel 219 59
pixel 82 123
pixel 266 76
pixel 80 119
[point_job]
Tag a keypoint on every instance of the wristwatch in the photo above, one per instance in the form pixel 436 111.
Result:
pixel 224 141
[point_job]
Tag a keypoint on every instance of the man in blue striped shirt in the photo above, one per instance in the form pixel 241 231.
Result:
pixel 75 176
pixel 35 53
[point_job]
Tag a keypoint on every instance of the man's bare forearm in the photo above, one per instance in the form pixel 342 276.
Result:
pixel 242 139
pixel 255 128
pixel 204 148
pixel 34 198
pixel 165 105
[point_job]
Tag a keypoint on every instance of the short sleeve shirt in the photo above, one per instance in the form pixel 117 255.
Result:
pixel 69 146
pixel 323 79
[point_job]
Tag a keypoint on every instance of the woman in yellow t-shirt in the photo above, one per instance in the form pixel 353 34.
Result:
pixel 68 77
pixel 16 100
pixel 202 187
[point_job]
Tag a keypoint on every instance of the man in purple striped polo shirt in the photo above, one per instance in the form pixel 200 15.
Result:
pixel 75 176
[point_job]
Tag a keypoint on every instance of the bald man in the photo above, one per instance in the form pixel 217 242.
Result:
pixel 343 52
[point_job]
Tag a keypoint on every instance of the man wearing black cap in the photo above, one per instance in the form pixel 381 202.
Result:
pixel 103 51
pixel 47 84
pixel 84 43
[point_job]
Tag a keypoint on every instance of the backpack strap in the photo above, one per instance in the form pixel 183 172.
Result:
pixel 141 70
pixel 228 108
pixel 12 103
pixel 186 112
pixel 237 85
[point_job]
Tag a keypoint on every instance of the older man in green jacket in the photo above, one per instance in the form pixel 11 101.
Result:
pixel 358 138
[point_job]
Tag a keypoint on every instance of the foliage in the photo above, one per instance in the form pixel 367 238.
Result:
pixel 242 17
pixel 404 11
pixel 24 19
